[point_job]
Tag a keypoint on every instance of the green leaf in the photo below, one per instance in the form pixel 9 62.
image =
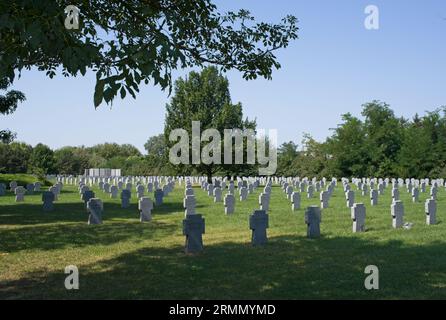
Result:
pixel 98 93
pixel 123 93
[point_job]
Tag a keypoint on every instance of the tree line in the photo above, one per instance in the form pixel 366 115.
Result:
pixel 380 144
pixel 19 157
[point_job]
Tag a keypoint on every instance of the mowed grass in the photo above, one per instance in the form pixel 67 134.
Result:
pixel 123 258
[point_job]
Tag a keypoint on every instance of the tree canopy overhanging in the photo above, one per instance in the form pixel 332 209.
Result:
pixel 8 104
pixel 129 42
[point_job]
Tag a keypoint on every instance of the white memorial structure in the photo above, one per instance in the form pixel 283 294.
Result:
pixel 102 172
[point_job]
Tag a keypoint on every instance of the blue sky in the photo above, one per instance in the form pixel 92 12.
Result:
pixel 334 67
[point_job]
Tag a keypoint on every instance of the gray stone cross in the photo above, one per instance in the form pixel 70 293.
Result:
pixel 145 206
pixel 358 217
pixel 229 202
pixel 95 208
pixel 397 212
pixel 125 198
pixel 430 208
pixel 258 223
pixel 193 229
pixel 313 219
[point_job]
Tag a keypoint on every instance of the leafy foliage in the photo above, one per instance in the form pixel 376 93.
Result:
pixel 381 145
pixel 7 136
pixel 14 157
pixel 8 104
pixel 129 42
pixel 204 97
pixel 42 159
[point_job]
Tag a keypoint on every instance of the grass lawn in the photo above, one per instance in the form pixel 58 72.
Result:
pixel 123 258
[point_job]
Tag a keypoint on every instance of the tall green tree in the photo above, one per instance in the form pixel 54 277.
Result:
pixel 348 149
pixel 128 42
pixel 109 150
pixel 383 137
pixel 157 155
pixel 156 146
pixel 72 160
pixel 312 160
pixel 204 97
pixel 42 160
pixel 14 157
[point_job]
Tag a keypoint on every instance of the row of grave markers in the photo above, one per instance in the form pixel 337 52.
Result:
pixel 194 224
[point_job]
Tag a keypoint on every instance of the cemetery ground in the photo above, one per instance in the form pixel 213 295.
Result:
pixel 124 258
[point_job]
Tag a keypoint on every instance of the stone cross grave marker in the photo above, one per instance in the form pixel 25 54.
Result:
pixel 324 199
pixel 415 194
pixel 12 186
pixel 189 204
pixel 30 188
pixel 229 202
pixel 381 189
pixel 295 201
pixel 289 191
pixel 423 187
pixel 264 201
pixel 95 208
pixel 397 212
pixel 159 195
pixel 140 191
pixel 19 194
pixel 258 223
pixel 374 197
pixel 145 207
pixel 350 197
pixel 433 193
pixel 125 198
pixel 210 190
pixel 86 196
pixel 243 193
pixel 358 217
pixel 2 189
pixel 114 192
pixel 193 229
pixel 365 190
pixel 395 194
pixel 430 208
pixel 310 191
pixel 189 192
pixel 37 186
pixel 231 187
pixel 217 194
pixel 48 199
pixel 313 220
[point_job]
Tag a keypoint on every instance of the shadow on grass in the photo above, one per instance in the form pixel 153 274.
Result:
pixel 289 267
pixel 23 213
pixel 51 237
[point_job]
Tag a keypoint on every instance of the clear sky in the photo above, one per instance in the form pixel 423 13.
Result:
pixel 334 67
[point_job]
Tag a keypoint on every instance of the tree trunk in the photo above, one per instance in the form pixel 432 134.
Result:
pixel 209 175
